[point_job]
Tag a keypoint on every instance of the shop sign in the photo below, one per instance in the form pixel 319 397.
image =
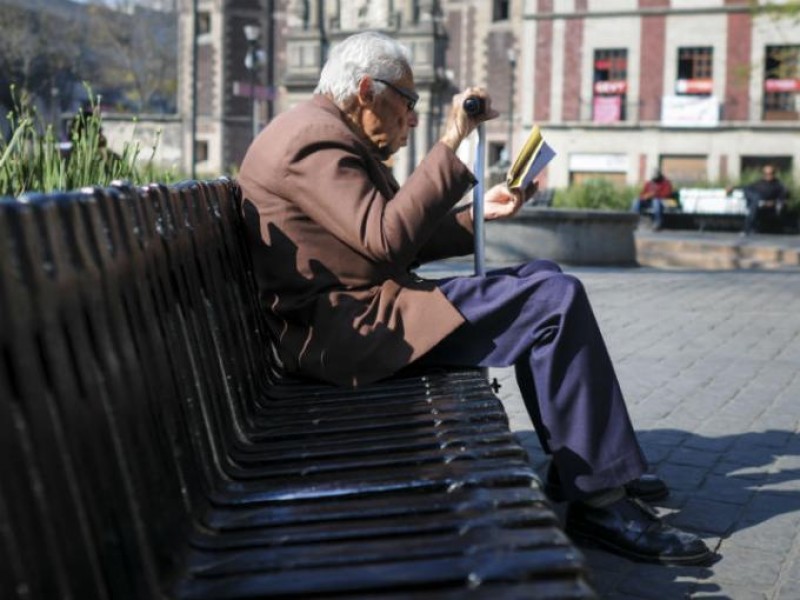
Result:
pixel 694 86
pixel 618 87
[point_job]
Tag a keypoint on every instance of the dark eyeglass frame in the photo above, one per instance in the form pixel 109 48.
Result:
pixel 411 97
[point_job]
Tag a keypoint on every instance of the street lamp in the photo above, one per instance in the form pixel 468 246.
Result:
pixel 512 63
pixel 252 33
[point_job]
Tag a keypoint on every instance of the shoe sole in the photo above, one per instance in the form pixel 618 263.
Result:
pixel 704 559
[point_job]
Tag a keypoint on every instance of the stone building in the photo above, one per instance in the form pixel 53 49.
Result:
pixel 701 88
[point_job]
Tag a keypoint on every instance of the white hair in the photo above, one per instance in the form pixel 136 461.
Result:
pixel 369 53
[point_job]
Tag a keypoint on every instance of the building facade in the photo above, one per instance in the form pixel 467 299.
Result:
pixel 704 89
pixel 231 98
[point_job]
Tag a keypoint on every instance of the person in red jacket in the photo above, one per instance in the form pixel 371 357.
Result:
pixel 652 196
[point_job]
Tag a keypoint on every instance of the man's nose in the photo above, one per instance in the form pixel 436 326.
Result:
pixel 413 119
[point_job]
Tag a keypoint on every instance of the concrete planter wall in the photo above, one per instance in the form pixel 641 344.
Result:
pixel 573 237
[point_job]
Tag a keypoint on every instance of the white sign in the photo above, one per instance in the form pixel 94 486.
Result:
pixel 599 163
pixel 689 111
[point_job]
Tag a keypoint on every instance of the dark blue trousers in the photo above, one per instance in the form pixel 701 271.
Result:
pixel 539 319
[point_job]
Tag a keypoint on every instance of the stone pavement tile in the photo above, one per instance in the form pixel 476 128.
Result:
pixel 660 582
pixel 708 444
pixel 765 438
pixel 667 438
pixel 753 474
pixel 702 515
pixel 655 453
pixel 788 590
pixel 694 458
pixel 730 490
pixel 751 567
pixel 719 426
pixel 777 418
pixel 789 585
pixel 606 571
pixel 773 534
pixel 765 505
pixel 744 410
pixel 682 477
pixel 729 592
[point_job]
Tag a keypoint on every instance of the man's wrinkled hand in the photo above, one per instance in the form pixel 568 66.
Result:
pixel 502 203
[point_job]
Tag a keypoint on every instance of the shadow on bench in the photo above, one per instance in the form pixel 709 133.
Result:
pixel 151 448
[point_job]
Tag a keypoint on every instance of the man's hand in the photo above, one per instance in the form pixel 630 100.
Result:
pixel 459 124
pixel 502 203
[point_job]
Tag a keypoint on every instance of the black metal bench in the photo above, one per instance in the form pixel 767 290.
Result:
pixel 151 448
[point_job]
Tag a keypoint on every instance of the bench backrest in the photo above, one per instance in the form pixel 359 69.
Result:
pixel 712 201
pixel 121 312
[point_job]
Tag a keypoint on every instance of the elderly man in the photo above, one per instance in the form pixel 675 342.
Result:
pixel 334 240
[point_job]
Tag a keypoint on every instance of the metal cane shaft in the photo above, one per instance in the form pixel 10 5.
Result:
pixel 477 205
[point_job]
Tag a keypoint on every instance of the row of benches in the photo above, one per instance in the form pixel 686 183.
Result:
pixel 152 447
pixel 716 208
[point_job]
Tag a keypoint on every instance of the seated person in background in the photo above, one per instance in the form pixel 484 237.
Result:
pixel 334 238
pixel 767 194
pixel 653 194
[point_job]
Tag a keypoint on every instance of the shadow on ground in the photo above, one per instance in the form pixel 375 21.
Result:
pixel 719 487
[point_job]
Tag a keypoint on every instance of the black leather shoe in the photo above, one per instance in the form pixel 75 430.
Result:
pixel 648 487
pixel 630 528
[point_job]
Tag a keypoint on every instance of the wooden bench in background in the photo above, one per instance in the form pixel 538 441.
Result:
pixel 716 209
pixel 152 448
pixel 710 208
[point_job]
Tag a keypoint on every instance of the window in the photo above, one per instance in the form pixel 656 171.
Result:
pixel 781 83
pixel 500 10
pixel 201 150
pixel 497 153
pixel 685 169
pixel 203 23
pixel 695 71
pixel 610 85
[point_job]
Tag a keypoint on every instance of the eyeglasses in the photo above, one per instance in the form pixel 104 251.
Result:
pixel 410 96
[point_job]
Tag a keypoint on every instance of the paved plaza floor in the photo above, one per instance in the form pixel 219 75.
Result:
pixel 709 362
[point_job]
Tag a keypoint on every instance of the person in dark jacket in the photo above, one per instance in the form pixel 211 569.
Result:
pixel 767 195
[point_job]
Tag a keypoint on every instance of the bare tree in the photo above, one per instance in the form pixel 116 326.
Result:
pixel 40 52
pixel 137 43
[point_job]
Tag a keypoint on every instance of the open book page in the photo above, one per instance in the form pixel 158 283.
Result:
pixel 530 161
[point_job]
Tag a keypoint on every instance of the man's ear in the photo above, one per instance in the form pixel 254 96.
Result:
pixel 366 93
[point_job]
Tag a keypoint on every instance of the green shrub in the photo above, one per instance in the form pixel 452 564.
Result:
pixel 595 194
pixel 32 159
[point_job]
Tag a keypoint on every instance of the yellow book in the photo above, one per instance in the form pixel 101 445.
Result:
pixel 530 161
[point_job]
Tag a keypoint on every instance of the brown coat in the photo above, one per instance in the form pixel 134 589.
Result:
pixel 334 237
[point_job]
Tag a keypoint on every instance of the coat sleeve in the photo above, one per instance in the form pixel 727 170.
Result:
pixel 333 181
pixel 453 237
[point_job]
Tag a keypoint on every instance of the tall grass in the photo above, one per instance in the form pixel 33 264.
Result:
pixel 32 159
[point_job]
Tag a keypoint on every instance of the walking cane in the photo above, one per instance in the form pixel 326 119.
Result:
pixel 475 106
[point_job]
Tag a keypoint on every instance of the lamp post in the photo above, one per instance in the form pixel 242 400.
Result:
pixel 252 33
pixel 512 63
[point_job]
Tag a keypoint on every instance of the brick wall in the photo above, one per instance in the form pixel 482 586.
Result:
pixel 542 64
pixel 651 68
pixel 573 74
pixel 737 96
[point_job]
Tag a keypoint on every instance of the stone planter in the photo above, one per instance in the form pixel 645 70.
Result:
pixel 573 237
